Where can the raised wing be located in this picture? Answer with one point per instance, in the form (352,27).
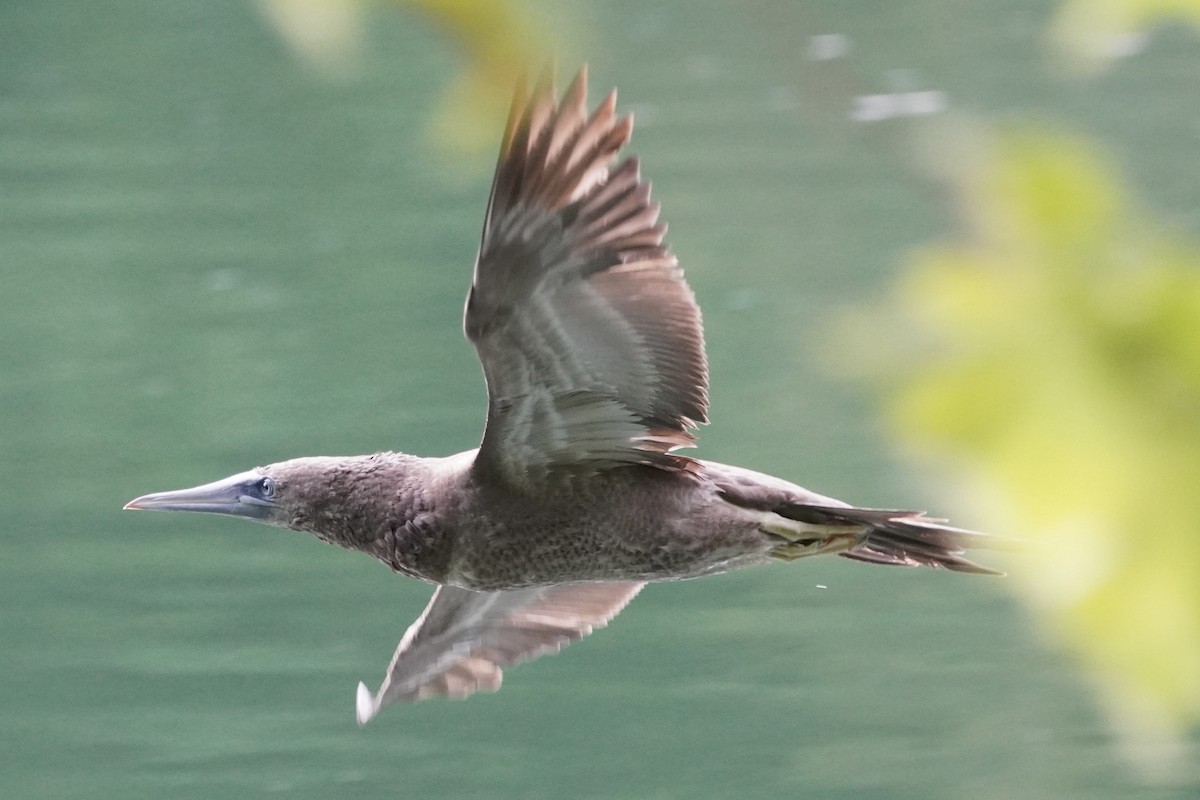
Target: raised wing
(463,640)
(589,336)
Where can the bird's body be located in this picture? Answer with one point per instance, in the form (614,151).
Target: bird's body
(592,348)
(435,519)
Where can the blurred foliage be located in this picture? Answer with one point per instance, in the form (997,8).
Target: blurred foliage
(327,33)
(501,41)
(1088,35)
(1059,364)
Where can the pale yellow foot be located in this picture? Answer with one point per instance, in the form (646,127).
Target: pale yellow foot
(801,540)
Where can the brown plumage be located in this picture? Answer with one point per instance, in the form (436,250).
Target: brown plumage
(593,352)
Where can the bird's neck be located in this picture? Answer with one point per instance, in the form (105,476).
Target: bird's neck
(385,505)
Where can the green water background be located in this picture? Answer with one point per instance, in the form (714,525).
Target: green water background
(213,256)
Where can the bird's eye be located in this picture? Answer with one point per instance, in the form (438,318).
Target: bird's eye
(266,487)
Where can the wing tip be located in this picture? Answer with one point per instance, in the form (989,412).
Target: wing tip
(365,704)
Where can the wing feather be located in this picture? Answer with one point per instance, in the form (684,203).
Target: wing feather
(589,336)
(463,640)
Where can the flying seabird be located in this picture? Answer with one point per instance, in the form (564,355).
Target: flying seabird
(592,348)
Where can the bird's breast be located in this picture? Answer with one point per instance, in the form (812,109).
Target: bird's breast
(419,547)
(634,525)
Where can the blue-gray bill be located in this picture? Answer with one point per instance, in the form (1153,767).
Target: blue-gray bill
(593,351)
(246,494)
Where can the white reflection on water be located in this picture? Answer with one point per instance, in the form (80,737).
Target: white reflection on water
(828,46)
(878,107)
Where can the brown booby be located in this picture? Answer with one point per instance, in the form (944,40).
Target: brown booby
(593,352)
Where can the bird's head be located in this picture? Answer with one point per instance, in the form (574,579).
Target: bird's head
(343,500)
(283,494)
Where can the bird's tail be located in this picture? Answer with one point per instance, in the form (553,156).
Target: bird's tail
(883,536)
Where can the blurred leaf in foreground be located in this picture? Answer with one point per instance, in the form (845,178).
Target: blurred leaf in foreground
(1060,366)
(1088,35)
(501,40)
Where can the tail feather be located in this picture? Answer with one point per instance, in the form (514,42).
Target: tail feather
(904,538)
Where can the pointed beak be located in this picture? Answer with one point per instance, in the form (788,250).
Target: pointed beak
(239,495)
